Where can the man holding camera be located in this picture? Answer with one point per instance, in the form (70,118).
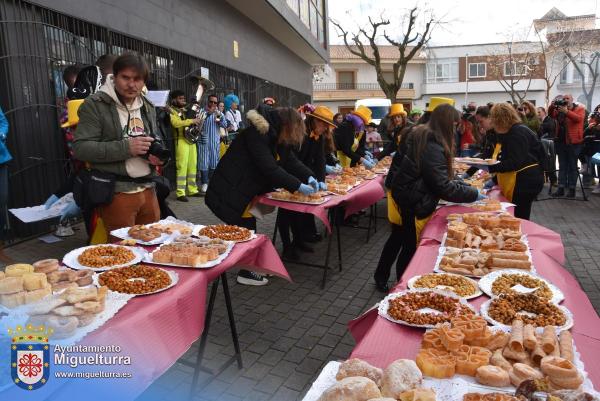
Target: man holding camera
(568,141)
(210,141)
(116,137)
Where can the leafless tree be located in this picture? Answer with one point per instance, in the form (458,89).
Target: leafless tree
(552,61)
(513,66)
(363,44)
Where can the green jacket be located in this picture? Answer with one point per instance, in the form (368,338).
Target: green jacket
(98,139)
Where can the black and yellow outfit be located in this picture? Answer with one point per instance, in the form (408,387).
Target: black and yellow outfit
(519,173)
(350,145)
(418,189)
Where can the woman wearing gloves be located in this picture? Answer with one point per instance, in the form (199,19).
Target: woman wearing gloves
(398,122)
(350,139)
(318,122)
(425,176)
(520,153)
(253,166)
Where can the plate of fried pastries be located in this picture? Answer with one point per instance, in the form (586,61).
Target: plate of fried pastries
(477,263)
(103,257)
(423,307)
(460,285)
(512,281)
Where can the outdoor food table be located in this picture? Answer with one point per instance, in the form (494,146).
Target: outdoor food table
(367,194)
(156,330)
(380,342)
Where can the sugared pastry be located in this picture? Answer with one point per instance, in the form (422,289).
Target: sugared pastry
(437,363)
(469,358)
(521,372)
(358,367)
(10,285)
(45,266)
(497,359)
(13,300)
(17,270)
(34,281)
(400,376)
(351,389)
(492,376)
(561,372)
(36,295)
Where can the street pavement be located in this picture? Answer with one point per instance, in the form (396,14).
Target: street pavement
(289,331)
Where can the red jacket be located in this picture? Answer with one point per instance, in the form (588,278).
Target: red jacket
(575,122)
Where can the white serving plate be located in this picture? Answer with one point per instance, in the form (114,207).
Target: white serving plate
(70,259)
(487,281)
(172,275)
(412,286)
(485,313)
(230,244)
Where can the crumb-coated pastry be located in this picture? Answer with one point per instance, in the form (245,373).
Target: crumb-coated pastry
(63,285)
(495,376)
(10,285)
(358,367)
(351,389)
(36,295)
(18,270)
(400,376)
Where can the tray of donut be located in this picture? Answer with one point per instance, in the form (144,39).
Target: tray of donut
(468,360)
(65,300)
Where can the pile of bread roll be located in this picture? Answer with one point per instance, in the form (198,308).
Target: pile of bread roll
(357,380)
(20,285)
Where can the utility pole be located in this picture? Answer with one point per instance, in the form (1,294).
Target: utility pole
(466,79)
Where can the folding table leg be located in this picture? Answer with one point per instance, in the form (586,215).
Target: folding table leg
(275,229)
(234,334)
(326,266)
(339,246)
(370,222)
(198,367)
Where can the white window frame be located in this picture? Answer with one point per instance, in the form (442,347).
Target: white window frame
(516,64)
(445,63)
(478,64)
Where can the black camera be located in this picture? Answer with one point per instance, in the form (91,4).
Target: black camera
(559,101)
(158,149)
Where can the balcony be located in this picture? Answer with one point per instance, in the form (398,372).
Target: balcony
(356,90)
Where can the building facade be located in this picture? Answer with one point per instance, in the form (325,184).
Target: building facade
(254,49)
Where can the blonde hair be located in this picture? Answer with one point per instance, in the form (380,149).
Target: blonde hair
(531,110)
(503,116)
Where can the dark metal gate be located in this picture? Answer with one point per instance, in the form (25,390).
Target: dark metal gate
(36,44)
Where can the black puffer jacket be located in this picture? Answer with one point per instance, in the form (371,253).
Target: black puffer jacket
(249,167)
(312,155)
(344,139)
(420,190)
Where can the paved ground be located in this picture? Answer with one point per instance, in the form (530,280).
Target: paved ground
(288,331)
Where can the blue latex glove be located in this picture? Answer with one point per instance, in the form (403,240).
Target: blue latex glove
(338,168)
(306,189)
(369,154)
(368,164)
(70,211)
(322,186)
(330,169)
(50,201)
(481,196)
(489,184)
(312,181)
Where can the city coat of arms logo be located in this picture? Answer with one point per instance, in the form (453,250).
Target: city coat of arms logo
(30,356)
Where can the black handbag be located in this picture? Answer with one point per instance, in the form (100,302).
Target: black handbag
(93,188)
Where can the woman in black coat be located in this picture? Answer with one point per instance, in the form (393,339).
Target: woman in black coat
(425,176)
(520,154)
(257,161)
(350,138)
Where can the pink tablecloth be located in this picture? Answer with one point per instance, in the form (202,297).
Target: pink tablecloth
(359,198)
(156,330)
(380,341)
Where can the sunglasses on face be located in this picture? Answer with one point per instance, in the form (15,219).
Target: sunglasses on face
(213,102)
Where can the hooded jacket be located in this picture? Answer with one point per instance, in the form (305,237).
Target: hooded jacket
(419,189)
(250,167)
(100,138)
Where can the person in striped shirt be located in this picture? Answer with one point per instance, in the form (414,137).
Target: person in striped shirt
(209,142)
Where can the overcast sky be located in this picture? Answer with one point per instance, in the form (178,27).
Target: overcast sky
(477,21)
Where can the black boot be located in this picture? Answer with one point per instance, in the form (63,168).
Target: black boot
(560,191)
(302,247)
(382,287)
(182,199)
(571,193)
(290,253)
(316,237)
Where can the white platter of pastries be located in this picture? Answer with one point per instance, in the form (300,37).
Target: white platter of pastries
(156,233)
(103,257)
(188,251)
(519,281)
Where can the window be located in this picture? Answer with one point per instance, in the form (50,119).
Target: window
(565,71)
(579,62)
(442,70)
(514,68)
(388,76)
(345,79)
(477,70)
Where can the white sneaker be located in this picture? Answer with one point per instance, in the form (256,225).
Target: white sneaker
(247,277)
(596,190)
(203,188)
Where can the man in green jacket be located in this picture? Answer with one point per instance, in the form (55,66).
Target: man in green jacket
(115,131)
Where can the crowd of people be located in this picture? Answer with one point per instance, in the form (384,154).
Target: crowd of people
(117,141)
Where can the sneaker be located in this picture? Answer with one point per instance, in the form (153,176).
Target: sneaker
(571,193)
(203,188)
(559,192)
(183,199)
(246,277)
(596,190)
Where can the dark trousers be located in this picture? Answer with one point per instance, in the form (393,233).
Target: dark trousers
(523,203)
(409,239)
(289,220)
(567,160)
(389,254)
(250,224)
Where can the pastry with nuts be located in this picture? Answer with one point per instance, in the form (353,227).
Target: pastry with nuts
(138,279)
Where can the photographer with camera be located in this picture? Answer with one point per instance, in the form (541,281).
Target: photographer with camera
(117,139)
(468,136)
(568,141)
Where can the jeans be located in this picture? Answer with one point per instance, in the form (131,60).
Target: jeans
(3,200)
(205,175)
(567,160)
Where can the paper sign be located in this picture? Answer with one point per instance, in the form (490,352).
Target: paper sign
(158,98)
(39,213)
